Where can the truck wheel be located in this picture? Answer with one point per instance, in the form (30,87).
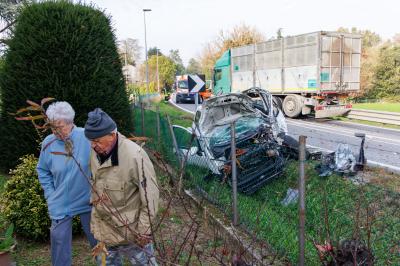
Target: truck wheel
(277,101)
(292,105)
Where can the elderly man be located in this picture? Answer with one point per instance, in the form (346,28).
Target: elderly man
(66,189)
(125,196)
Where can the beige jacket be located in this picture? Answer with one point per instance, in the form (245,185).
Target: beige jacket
(122,190)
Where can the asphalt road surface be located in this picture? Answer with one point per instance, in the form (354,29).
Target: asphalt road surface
(381,145)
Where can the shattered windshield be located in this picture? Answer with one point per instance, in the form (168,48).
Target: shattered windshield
(245,127)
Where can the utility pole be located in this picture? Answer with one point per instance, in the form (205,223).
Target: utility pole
(254,64)
(145,47)
(158,75)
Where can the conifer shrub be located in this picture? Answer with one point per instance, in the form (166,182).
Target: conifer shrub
(66,51)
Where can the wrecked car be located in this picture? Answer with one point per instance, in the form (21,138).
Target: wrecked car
(260,134)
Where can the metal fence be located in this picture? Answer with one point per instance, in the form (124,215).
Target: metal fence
(343,216)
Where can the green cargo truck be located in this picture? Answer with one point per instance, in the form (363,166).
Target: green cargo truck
(308,74)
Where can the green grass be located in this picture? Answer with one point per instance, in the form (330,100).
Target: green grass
(365,122)
(388,107)
(264,214)
(178,117)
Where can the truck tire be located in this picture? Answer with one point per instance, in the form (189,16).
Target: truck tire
(277,101)
(292,105)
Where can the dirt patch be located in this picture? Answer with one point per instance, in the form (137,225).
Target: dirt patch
(38,254)
(381,178)
(185,237)
(182,237)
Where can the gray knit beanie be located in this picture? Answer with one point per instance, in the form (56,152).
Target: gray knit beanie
(99,124)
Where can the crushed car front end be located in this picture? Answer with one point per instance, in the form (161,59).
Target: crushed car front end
(258,145)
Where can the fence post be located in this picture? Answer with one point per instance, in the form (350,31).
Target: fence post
(158,124)
(302,207)
(142,113)
(174,142)
(234,176)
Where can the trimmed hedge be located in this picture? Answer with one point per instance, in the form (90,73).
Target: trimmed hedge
(66,51)
(24,205)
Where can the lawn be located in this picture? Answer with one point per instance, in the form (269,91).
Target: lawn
(332,205)
(365,122)
(388,107)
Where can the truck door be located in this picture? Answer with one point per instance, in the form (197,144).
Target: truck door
(222,80)
(341,56)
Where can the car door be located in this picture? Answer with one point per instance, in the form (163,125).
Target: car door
(189,147)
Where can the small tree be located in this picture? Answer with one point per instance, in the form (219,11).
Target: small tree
(153,51)
(240,35)
(193,67)
(66,51)
(166,69)
(176,58)
(129,51)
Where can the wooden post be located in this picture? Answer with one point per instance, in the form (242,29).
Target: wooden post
(302,205)
(142,113)
(158,124)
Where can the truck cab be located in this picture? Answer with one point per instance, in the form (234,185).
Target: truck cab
(222,74)
(182,93)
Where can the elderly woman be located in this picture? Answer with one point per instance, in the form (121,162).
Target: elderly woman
(66,189)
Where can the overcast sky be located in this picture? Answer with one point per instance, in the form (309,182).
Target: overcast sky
(188,24)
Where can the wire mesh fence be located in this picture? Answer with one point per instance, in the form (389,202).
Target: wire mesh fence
(345,217)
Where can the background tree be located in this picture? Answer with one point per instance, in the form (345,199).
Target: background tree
(176,58)
(129,50)
(369,57)
(66,51)
(9,10)
(386,83)
(369,38)
(396,38)
(193,67)
(153,51)
(238,36)
(166,68)
(208,57)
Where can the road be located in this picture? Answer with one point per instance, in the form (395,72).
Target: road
(381,145)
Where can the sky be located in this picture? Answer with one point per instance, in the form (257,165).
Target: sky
(188,25)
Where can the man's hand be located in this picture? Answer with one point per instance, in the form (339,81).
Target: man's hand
(144,239)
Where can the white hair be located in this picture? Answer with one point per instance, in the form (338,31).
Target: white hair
(61,111)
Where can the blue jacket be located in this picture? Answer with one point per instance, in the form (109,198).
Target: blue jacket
(66,189)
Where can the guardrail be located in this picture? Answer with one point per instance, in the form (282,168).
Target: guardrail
(375,116)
